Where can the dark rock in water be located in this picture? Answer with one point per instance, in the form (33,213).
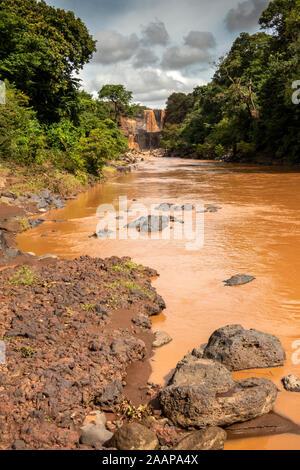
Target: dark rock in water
(111,395)
(150,224)
(266,425)
(3,242)
(212,438)
(200,406)
(44,235)
(239,280)
(240,349)
(103,233)
(34,223)
(60,220)
(134,436)
(194,371)
(188,207)
(161,338)
(291,383)
(58,203)
(167,207)
(212,209)
(174,219)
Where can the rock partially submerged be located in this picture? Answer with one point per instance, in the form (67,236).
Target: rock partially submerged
(239,280)
(200,406)
(150,224)
(134,436)
(240,349)
(291,383)
(161,338)
(212,438)
(167,207)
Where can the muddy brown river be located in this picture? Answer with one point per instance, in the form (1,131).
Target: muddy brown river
(256,231)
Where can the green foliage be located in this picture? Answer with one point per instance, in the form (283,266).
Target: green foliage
(21,135)
(247,108)
(24,276)
(102,144)
(40,49)
(118,96)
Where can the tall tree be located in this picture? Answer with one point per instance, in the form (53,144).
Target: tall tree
(118,96)
(41,48)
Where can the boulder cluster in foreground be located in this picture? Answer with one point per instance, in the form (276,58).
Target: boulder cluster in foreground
(203,397)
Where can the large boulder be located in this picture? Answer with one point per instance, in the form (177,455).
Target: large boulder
(240,349)
(134,436)
(212,438)
(200,406)
(194,371)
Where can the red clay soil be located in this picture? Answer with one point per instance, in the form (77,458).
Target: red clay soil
(69,341)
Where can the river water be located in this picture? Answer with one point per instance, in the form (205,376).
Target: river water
(256,231)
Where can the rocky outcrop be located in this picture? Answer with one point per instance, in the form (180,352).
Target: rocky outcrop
(291,383)
(212,438)
(144,130)
(240,349)
(194,371)
(134,436)
(200,406)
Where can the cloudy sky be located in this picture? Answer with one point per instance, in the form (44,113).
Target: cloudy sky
(156,47)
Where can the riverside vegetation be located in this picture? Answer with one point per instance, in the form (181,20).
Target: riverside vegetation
(247,111)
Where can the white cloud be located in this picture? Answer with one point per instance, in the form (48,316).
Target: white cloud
(113,47)
(245,15)
(155,34)
(150,86)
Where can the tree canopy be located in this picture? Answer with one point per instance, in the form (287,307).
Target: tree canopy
(41,47)
(247,108)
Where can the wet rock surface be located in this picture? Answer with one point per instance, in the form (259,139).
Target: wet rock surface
(291,383)
(66,354)
(161,338)
(212,438)
(194,371)
(239,280)
(200,406)
(240,349)
(150,224)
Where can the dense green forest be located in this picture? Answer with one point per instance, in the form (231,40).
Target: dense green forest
(47,119)
(247,110)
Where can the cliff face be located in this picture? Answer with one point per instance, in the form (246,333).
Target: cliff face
(144,131)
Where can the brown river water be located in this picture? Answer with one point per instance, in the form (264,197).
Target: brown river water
(256,231)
